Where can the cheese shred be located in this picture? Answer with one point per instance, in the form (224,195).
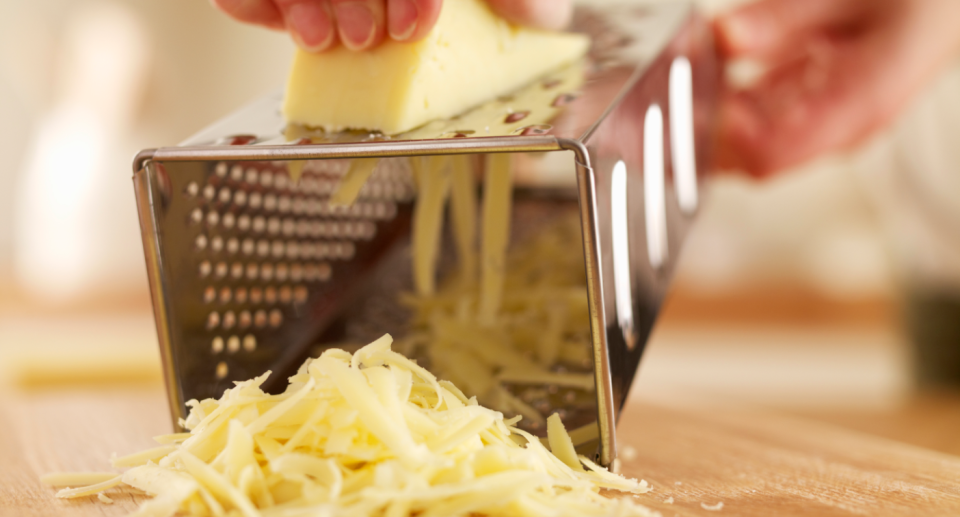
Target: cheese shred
(368,434)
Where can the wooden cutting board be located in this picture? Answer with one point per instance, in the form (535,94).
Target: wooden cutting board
(755,463)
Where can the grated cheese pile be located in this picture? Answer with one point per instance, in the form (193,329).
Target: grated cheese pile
(365,434)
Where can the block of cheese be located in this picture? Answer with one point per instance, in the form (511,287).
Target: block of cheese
(469,57)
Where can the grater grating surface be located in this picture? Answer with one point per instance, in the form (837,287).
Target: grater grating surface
(249,270)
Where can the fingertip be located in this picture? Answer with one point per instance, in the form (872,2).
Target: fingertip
(360,23)
(411,20)
(310,24)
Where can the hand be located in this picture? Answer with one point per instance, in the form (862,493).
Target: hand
(836,71)
(317,25)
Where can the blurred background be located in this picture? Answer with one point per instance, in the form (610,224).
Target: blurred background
(831,291)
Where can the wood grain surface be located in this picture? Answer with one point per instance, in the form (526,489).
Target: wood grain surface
(755,463)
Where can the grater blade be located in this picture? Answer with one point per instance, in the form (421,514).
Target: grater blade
(249,270)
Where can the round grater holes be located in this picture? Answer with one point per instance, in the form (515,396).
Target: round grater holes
(280,181)
(296,272)
(270,202)
(243,222)
(229,320)
(366,211)
(209,294)
(240,198)
(369,230)
(252,176)
(321,250)
(273,225)
(255,200)
(298,206)
(256,296)
(253,271)
(266,271)
(216,346)
(213,320)
(196,216)
(266,179)
(260,319)
(224,195)
(324,271)
(307,250)
(244,319)
(205,269)
(192,189)
(277,249)
(302,228)
(209,192)
(228,220)
(233,245)
(233,344)
(284,204)
(249,343)
(285,294)
(216,244)
(248,246)
(300,294)
(276,318)
(236,173)
(236,271)
(200,243)
(220,270)
(293,249)
(270,295)
(259,224)
(317,228)
(220,170)
(281,272)
(326,187)
(241,296)
(263,248)
(288,226)
(222,370)
(225,295)
(313,207)
(213,218)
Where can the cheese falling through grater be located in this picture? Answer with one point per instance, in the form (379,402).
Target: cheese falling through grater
(253,267)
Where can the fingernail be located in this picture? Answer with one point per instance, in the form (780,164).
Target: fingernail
(402,19)
(356,24)
(310,25)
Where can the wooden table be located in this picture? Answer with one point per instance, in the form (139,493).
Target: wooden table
(755,463)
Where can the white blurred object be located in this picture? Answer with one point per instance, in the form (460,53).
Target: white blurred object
(67,220)
(914,173)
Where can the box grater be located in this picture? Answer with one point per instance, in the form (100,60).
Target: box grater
(249,271)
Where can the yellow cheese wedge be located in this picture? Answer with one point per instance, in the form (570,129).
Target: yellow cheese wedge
(469,57)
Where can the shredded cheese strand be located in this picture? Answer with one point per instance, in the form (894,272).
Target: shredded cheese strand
(377,449)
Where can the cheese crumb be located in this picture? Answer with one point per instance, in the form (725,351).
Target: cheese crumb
(669,500)
(713,508)
(104,499)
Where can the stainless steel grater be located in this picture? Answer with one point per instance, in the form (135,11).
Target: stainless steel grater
(248,270)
